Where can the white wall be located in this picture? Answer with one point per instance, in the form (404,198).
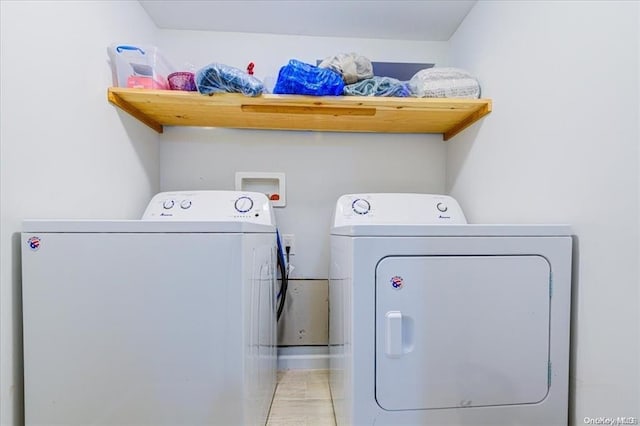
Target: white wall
(319,167)
(65,152)
(269,52)
(561,145)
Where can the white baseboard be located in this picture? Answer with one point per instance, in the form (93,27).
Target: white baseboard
(303,358)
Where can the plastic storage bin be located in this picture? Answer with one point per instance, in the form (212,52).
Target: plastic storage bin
(140,67)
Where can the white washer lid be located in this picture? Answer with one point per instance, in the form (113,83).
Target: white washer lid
(463,230)
(143,226)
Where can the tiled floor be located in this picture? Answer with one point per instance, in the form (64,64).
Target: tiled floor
(302,399)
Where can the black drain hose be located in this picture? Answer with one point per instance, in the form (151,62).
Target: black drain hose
(282,263)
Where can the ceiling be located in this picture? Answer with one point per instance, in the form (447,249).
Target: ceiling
(424,20)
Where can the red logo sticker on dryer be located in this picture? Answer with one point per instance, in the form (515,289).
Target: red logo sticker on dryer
(33,243)
(397,282)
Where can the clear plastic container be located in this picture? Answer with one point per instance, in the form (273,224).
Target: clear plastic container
(140,67)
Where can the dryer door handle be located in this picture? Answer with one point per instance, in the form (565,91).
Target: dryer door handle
(393,334)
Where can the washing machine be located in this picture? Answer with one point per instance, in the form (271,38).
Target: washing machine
(168,320)
(434,321)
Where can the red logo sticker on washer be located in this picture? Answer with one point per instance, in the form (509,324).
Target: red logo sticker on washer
(397,282)
(33,243)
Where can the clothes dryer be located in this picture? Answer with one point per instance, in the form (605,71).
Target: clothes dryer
(437,322)
(163,321)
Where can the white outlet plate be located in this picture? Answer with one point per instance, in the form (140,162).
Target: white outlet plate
(289,240)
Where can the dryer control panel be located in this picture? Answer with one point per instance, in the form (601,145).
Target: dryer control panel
(397,209)
(211,206)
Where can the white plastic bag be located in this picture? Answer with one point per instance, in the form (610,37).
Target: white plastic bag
(351,66)
(444,83)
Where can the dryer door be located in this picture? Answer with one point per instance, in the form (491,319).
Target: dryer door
(461,331)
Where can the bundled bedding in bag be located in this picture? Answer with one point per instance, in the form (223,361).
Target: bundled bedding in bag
(220,78)
(299,78)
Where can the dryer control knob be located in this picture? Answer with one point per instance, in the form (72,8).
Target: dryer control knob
(185,204)
(243,204)
(360,206)
(168,204)
(442,207)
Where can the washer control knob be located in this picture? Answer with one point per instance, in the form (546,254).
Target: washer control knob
(185,204)
(442,207)
(243,204)
(168,204)
(360,206)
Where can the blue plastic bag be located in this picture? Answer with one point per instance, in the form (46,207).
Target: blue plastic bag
(219,78)
(298,78)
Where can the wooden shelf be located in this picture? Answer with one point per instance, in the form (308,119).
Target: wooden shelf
(159,108)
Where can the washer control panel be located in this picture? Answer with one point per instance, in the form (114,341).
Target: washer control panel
(215,206)
(397,209)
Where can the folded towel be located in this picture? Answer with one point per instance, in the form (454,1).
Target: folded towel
(378,86)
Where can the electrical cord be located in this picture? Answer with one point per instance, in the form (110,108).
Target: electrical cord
(285,279)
